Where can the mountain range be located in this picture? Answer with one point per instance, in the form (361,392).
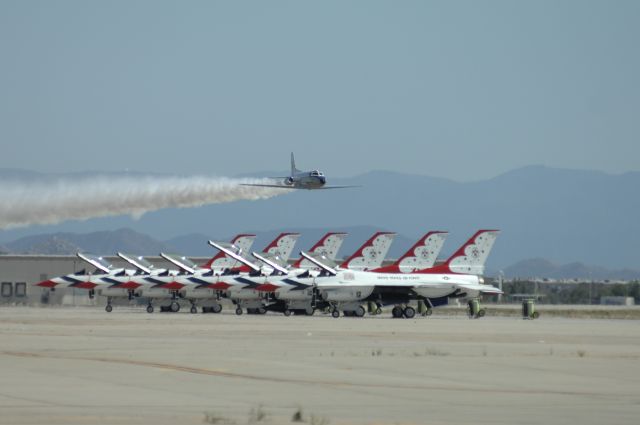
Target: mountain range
(563,216)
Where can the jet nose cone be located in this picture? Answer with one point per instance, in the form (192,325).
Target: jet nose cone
(46,284)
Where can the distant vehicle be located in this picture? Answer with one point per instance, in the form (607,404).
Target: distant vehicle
(298,179)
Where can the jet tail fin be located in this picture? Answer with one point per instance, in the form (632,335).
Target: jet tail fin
(294,170)
(420,256)
(371,254)
(470,257)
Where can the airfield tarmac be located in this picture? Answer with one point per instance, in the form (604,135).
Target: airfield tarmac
(82,365)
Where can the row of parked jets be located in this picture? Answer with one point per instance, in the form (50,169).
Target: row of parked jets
(268,281)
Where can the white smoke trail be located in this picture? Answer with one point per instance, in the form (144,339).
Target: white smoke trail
(50,202)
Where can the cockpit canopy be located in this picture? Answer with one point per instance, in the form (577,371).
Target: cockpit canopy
(316,173)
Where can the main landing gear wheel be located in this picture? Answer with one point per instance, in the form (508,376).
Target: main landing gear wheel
(261,310)
(216,308)
(378,311)
(175,307)
(396,312)
(194,309)
(287,312)
(409,312)
(335,313)
(309,311)
(360,311)
(239,311)
(481,313)
(428,312)
(108,308)
(149,308)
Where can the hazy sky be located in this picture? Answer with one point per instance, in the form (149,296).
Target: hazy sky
(459,89)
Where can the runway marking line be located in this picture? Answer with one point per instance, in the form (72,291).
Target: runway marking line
(218,373)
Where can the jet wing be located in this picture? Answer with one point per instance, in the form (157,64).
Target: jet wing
(279,186)
(270,262)
(282,186)
(97,262)
(139,262)
(483,289)
(235,256)
(181,261)
(333,187)
(319,263)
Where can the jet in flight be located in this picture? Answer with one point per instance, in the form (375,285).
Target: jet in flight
(299,179)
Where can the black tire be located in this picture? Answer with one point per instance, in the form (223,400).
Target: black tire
(309,311)
(108,308)
(262,310)
(335,313)
(360,311)
(429,312)
(409,312)
(378,310)
(194,309)
(535,315)
(175,307)
(149,309)
(481,313)
(396,312)
(287,312)
(216,308)
(239,311)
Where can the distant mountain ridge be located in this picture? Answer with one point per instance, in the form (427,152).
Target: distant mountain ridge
(541,268)
(565,216)
(102,243)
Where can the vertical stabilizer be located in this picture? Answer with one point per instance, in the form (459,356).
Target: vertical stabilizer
(371,254)
(421,255)
(471,256)
(282,246)
(294,170)
(242,243)
(328,247)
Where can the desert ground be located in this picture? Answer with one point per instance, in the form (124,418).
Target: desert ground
(80,365)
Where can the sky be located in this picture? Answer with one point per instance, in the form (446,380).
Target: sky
(458,89)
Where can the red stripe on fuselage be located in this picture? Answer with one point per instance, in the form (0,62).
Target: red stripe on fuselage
(267,287)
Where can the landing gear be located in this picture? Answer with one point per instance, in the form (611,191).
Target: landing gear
(428,312)
(335,313)
(309,311)
(397,312)
(108,308)
(287,312)
(149,309)
(378,311)
(239,311)
(175,307)
(194,309)
(216,308)
(409,312)
(360,311)
(261,310)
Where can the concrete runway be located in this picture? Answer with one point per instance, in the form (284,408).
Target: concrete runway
(82,365)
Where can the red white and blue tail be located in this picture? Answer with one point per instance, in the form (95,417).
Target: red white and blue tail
(282,246)
(328,247)
(371,254)
(242,243)
(470,257)
(420,256)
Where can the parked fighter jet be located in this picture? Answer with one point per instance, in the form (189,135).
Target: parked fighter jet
(456,277)
(299,179)
(292,289)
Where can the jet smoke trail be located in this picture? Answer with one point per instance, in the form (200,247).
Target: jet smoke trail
(50,202)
